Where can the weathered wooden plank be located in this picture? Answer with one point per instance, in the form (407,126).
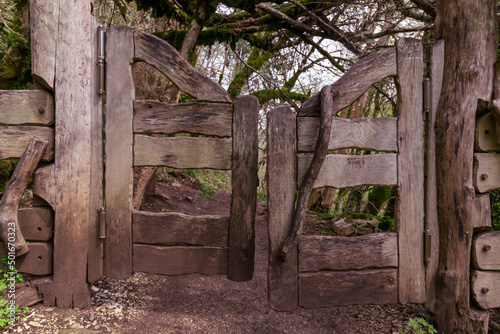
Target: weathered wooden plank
(327,289)
(120,92)
(43,30)
(37,224)
(211,119)
(26,107)
(282,279)
(357,80)
(43,185)
(180,260)
(486,172)
(377,250)
(182,152)
(485,289)
(486,251)
(38,261)
(14,139)
(166,59)
(482,208)
(244,183)
(486,134)
(377,134)
(171,228)
(341,171)
(410,208)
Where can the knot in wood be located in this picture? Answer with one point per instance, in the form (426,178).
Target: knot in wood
(484,176)
(485,290)
(41,110)
(486,248)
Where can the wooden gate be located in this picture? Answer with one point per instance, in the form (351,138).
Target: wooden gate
(175,243)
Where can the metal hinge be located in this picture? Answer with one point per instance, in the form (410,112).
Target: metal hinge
(102,223)
(101,59)
(427,246)
(427,95)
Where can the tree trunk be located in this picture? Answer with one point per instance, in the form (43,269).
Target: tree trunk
(469,29)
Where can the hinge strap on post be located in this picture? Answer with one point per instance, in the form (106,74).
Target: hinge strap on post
(101,59)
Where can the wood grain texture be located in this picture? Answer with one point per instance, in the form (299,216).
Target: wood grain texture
(482,207)
(180,260)
(320,253)
(485,290)
(120,94)
(486,251)
(410,195)
(282,279)
(329,289)
(244,183)
(171,228)
(38,261)
(182,152)
(166,59)
(43,184)
(26,107)
(342,171)
(486,172)
(357,80)
(14,139)
(376,134)
(486,134)
(211,119)
(37,224)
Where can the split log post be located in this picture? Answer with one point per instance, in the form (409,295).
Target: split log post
(12,195)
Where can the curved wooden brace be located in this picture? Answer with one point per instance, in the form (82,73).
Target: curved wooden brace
(166,59)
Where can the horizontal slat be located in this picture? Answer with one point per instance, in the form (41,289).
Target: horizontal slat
(341,171)
(327,289)
(183,152)
(486,135)
(211,119)
(179,260)
(377,134)
(178,228)
(38,261)
(486,172)
(486,251)
(28,107)
(378,250)
(36,224)
(14,139)
(485,289)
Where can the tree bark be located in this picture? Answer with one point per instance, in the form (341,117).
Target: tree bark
(469,29)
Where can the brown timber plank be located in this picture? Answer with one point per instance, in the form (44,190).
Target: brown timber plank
(486,172)
(182,152)
(377,134)
(282,277)
(486,251)
(485,289)
(341,171)
(37,224)
(166,59)
(180,260)
(14,139)
(486,134)
(119,156)
(211,119)
(26,107)
(244,182)
(328,289)
(377,250)
(178,228)
(38,261)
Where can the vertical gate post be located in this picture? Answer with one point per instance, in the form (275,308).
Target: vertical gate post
(282,277)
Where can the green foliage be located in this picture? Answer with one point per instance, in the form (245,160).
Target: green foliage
(262,196)
(495,209)
(9,309)
(376,198)
(419,326)
(210,180)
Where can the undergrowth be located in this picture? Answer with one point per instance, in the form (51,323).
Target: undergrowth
(211,180)
(9,309)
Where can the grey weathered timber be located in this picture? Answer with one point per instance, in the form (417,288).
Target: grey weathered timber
(14,139)
(146,178)
(182,152)
(38,261)
(410,207)
(341,171)
(282,279)
(37,224)
(171,228)
(211,119)
(43,30)
(244,182)
(436,55)
(180,260)
(486,251)
(486,134)
(377,250)
(486,172)
(328,289)
(357,80)
(482,208)
(485,290)
(166,59)
(26,107)
(376,134)
(43,181)
(120,92)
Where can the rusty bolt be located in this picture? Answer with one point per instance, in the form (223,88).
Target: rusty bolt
(485,290)
(484,176)
(486,248)
(41,110)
